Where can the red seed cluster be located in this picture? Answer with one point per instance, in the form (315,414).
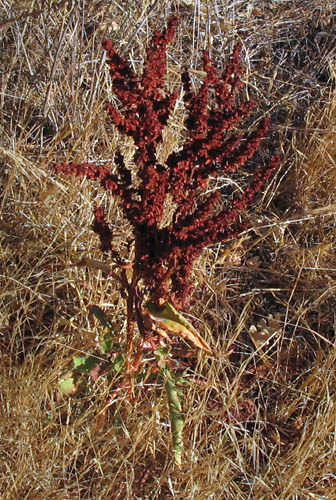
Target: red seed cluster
(101,227)
(164,254)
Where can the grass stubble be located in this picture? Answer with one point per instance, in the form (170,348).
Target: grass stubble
(260,419)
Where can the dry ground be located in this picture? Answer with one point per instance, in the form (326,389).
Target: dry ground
(260,423)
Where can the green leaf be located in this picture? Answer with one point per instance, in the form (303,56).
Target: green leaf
(67,385)
(176,323)
(101,316)
(84,363)
(176,419)
(118,362)
(107,343)
(78,361)
(174,405)
(161,356)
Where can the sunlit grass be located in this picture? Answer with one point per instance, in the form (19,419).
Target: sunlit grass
(259,417)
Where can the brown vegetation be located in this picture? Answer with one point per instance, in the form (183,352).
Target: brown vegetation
(260,416)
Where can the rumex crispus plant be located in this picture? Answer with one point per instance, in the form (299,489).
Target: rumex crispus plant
(156,281)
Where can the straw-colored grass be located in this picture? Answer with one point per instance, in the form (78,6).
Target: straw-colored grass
(260,419)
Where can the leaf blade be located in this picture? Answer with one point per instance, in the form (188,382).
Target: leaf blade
(67,385)
(174,405)
(175,322)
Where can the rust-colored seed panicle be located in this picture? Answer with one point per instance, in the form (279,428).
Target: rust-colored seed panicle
(165,252)
(101,227)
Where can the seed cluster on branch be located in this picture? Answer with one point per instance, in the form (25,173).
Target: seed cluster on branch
(164,254)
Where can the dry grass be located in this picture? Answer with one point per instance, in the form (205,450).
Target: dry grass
(261,422)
